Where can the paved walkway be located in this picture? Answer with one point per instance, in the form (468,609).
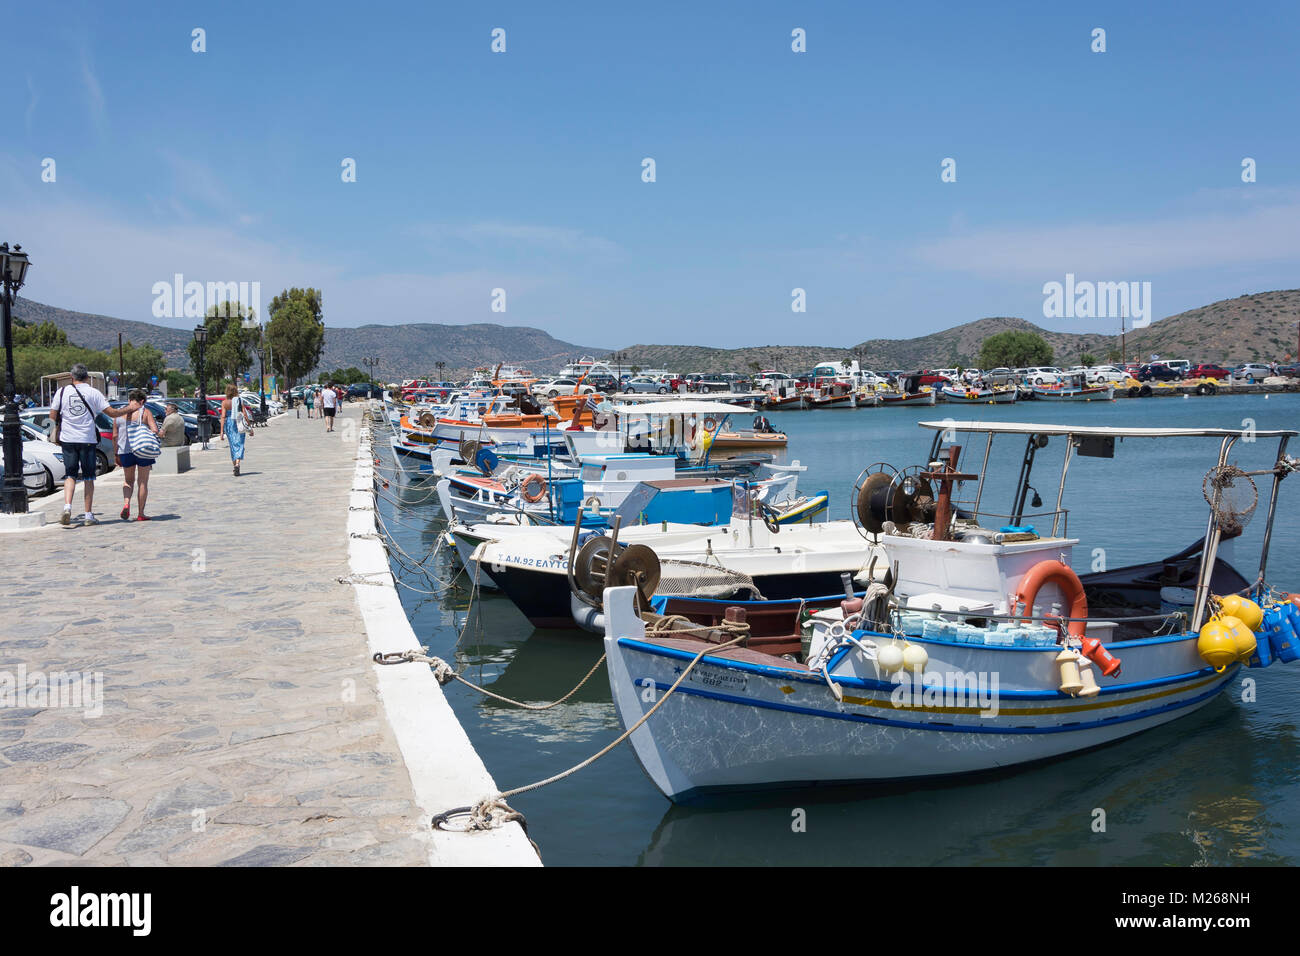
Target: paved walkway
(240,721)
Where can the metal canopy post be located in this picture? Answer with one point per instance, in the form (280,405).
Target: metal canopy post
(1060,491)
(1279,473)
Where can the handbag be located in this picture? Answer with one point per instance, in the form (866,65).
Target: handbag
(142,442)
(241,426)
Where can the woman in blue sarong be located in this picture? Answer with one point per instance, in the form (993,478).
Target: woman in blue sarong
(234,422)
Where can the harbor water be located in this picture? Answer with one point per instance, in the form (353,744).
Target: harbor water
(1217,787)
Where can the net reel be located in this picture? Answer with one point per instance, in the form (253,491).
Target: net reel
(596,568)
(871,498)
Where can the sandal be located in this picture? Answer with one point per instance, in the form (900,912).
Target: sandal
(126,513)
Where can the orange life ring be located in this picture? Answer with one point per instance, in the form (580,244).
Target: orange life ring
(709,424)
(1066,579)
(533,496)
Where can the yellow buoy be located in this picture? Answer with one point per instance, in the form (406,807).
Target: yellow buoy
(1242,636)
(1243,609)
(1217,645)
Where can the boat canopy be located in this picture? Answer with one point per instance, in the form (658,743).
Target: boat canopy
(1099,431)
(684,407)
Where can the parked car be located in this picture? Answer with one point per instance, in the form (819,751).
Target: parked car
(1289,371)
(999,376)
(1207,371)
(105,455)
(1251,372)
(1039,375)
(1102,374)
(37,478)
(1157,372)
(562,386)
(644,383)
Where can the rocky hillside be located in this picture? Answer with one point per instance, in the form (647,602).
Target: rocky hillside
(1258,327)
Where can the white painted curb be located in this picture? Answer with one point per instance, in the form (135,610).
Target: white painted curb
(446,771)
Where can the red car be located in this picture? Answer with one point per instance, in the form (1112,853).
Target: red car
(1207,371)
(933,378)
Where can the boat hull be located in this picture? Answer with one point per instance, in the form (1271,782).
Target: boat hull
(738,726)
(914,398)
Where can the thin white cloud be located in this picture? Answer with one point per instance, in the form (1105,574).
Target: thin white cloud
(29,114)
(1253,233)
(94,92)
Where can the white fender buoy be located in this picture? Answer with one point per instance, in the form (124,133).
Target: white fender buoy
(915,658)
(890,658)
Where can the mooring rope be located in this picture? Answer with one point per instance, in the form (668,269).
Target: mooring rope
(493,811)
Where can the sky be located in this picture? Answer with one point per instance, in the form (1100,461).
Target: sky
(774,170)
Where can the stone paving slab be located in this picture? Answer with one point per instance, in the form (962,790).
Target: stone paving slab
(240,723)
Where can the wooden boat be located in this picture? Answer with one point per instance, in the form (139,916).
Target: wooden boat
(926,396)
(978,396)
(1070,393)
(831,394)
(947,669)
(749,438)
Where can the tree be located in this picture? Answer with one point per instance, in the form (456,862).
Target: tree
(1114,355)
(33,361)
(142,363)
(1087,359)
(46,334)
(232,333)
(1014,349)
(296,332)
(181,383)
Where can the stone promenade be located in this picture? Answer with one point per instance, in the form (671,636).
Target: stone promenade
(240,721)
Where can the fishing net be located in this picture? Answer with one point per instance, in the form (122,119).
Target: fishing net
(1232,496)
(696,579)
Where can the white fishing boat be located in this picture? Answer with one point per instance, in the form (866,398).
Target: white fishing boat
(971,395)
(926,396)
(1073,393)
(950,666)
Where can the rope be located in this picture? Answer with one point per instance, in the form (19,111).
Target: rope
(493,811)
(445,674)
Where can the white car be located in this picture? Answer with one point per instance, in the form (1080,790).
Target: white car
(43,468)
(562,386)
(1106,373)
(1040,375)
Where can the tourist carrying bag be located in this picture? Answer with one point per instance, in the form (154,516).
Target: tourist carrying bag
(241,426)
(142,442)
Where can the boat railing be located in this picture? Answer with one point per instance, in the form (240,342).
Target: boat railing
(1060,519)
(1170,620)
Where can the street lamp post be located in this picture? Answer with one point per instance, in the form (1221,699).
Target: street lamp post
(201,337)
(13,271)
(261,379)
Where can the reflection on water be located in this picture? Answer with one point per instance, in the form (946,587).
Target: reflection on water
(1214,788)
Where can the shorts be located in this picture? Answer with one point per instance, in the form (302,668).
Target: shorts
(79,460)
(329,412)
(129,460)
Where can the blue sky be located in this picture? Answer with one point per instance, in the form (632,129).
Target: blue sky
(775,170)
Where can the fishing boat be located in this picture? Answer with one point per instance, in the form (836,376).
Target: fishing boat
(960,395)
(830,393)
(926,396)
(725,548)
(1073,393)
(951,665)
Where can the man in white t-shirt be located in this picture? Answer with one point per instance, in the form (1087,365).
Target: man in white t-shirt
(329,404)
(73,410)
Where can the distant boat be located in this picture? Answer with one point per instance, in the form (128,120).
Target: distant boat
(924,397)
(1069,393)
(978,396)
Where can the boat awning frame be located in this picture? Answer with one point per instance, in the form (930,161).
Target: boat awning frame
(683,407)
(1100,431)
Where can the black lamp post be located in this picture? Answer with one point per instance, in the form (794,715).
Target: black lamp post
(201,337)
(13,271)
(440,366)
(261,380)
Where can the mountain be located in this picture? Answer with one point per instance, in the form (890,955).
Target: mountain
(1257,327)
(402,350)
(1249,328)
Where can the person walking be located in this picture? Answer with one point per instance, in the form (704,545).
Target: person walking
(234,425)
(135,467)
(329,400)
(309,399)
(73,411)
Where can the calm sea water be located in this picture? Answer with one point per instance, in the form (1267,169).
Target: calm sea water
(1218,787)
